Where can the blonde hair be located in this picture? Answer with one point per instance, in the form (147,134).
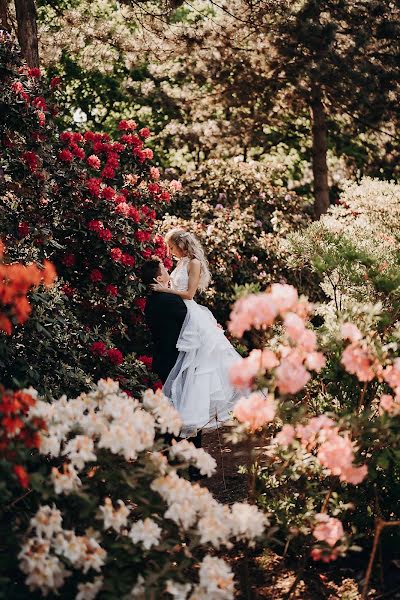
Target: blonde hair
(189,244)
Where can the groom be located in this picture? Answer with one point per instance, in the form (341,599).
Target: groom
(164,314)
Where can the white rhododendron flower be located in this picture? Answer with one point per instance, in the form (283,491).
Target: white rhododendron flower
(89,591)
(44,571)
(167,417)
(179,591)
(216,578)
(147,532)
(116,518)
(188,452)
(47,521)
(65,481)
(248,522)
(80,451)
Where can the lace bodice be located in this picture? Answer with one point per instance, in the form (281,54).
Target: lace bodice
(180,276)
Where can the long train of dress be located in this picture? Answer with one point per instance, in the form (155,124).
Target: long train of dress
(198,384)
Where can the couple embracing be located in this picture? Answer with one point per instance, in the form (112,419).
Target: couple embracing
(191,354)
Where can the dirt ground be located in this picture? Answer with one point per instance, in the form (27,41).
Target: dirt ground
(264,575)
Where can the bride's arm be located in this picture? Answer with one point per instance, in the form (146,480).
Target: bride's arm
(193,284)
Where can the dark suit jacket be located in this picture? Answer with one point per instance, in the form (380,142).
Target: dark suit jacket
(165,314)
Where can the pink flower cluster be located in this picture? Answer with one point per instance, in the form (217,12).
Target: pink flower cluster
(328,530)
(256,410)
(291,362)
(334,451)
(357,358)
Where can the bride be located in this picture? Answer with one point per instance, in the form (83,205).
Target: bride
(198,384)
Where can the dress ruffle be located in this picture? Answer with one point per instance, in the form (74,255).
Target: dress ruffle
(198,384)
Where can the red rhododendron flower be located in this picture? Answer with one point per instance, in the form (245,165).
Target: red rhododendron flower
(127,125)
(23,229)
(99,348)
(68,290)
(12,425)
(39,102)
(55,82)
(145,132)
(116,357)
(168,263)
(157,386)
(108,173)
(153,188)
(147,253)
(112,290)
(65,155)
(95,225)
(108,193)
(140,303)
(17,87)
(41,118)
(96,275)
(141,156)
(93,185)
(31,159)
(77,137)
(116,254)
(166,196)
(66,136)
(128,260)
(21,474)
(105,235)
(77,151)
(146,360)
(89,136)
(94,161)
(69,260)
(34,72)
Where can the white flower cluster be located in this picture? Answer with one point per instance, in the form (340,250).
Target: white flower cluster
(40,555)
(198,456)
(106,417)
(191,506)
(215,583)
(167,418)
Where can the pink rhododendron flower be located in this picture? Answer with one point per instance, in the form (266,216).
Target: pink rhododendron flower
(175,185)
(243,372)
(392,375)
(317,427)
(328,529)
(154,173)
(357,361)
(350,332)
(294,326)
(254,310)
(286,435)
(256,410)
(308,341)
(386,403)
(291,376)
(337,455)
(354,475)
(315,361)
(285,296)
(268,359)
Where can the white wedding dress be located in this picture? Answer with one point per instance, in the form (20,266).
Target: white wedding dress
(198,385)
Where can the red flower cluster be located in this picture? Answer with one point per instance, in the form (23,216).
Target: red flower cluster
(16,281)
(17,431)
(114,355)
(146,360)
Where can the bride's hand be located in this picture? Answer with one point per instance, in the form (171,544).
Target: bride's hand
(158,287)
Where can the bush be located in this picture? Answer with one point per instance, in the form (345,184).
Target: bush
(89,204)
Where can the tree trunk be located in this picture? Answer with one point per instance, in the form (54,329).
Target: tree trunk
(319,151)
(27,31)
(4,23)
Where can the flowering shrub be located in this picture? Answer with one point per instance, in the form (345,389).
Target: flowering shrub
(117,516)
(354,249)
(240,217)
(325,410)
(89,203)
